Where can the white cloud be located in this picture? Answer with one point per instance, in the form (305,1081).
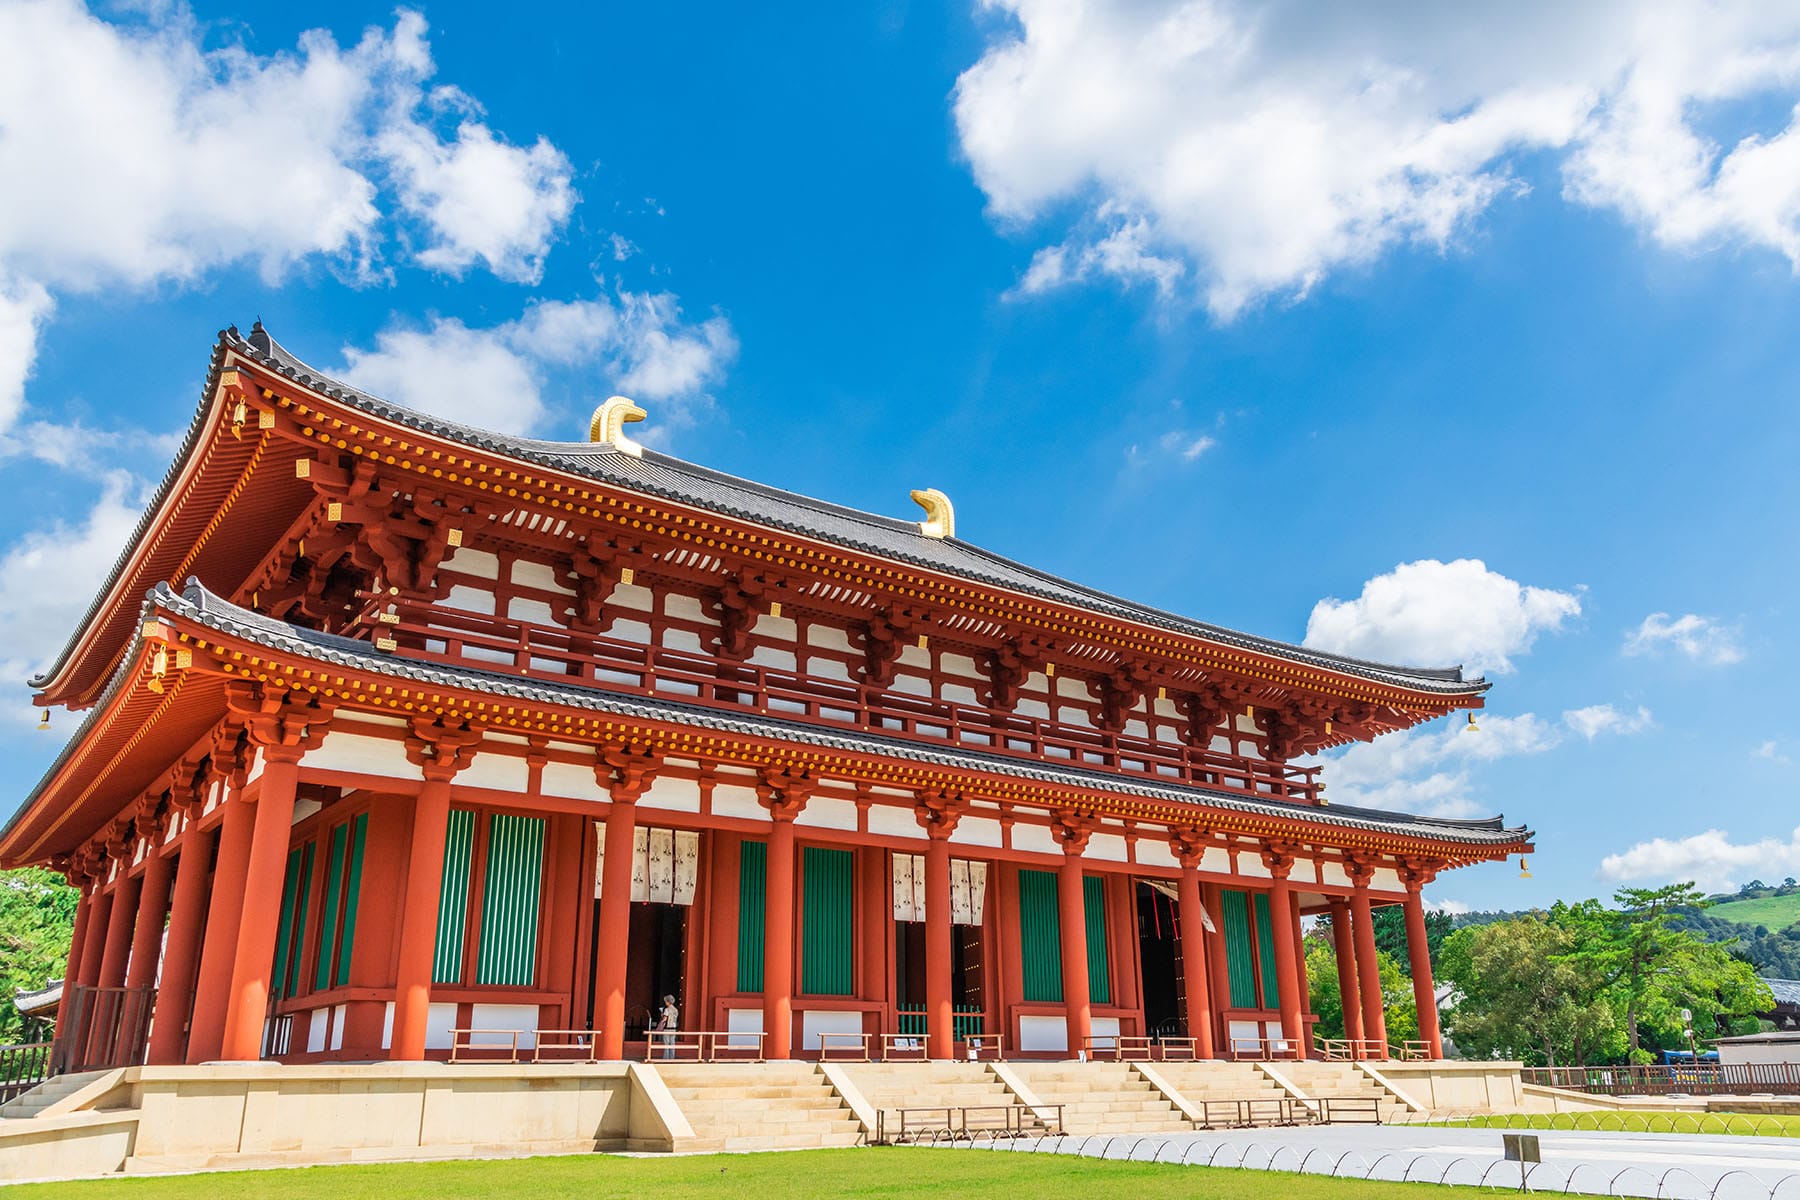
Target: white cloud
(35,619)
(1700,638)
(1455,908)
(492,378)
(151,159)
(1771,750)
(1711,859)
(1185,445)
(1427,771)
(1437,613)
(1243,150)
(1596,719)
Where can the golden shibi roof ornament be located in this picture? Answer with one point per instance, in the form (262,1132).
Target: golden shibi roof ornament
(940,514)
(608,425)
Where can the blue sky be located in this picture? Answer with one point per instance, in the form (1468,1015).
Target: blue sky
(1415,341)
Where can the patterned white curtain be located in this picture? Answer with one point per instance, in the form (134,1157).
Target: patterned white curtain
(664,864)
(968,889)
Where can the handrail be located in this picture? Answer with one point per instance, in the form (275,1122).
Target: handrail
(1352,1049)
(1112,1047)
(992,1044)
(1259,1049)
(904,1047)
(899,1126)
(856,1046)
(1246,1113)
(711,1045)
(502,1045)
(655,670)
(1411,1050)
(1695,1079)
(1359,1110)
(23,1067)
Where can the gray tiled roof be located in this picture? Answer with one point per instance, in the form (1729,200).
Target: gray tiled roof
(669,478)
(1787,991)
(201,606)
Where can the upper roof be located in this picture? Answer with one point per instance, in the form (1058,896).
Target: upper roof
(670,479)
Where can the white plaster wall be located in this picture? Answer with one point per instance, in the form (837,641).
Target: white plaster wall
(478,563)
(827,637)
(911,685)
(737,800)
(1035,839)
(686,607)
(1250,865)
(827,812)
(345,751)
(539,575)
(891,821)
(501,772)
(672,795)
(828,668)
(1334,873)
(1107,847)
(682,639)
(629,631)
(773,656)
(575,781)
(630,595)
(1386,879)
(779,629)
(960,665)
(468,599)
(521,608)
(1153,851)
(978,831)
(914,656)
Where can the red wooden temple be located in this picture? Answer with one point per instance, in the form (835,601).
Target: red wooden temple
(395,727)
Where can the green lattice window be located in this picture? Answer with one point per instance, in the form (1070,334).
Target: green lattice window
(296,891)
(828,922)
(1040,937)
(753,866)
(511,893)
(343,882)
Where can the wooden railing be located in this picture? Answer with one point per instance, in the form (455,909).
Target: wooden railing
(1703,1079)
(1243,1114)
(22,1068)
(1120,1048)
(1410,1051)
(988,1047)
(903,1047)
(1351,1049)
(710,1045)
(1265,1049)
(898,1126)
(1349,1110)
(502,1045)
(556,655)
(843,1047)
(101,1027)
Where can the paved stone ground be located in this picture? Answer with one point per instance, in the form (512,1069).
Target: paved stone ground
(1677,1166)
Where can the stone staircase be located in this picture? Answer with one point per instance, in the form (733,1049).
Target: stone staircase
(1320,1080)
(895,1085)
(29,1104)
(759,1106)
(1201,1081)
(1101,1097)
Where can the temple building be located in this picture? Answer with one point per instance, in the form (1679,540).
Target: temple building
(393,728)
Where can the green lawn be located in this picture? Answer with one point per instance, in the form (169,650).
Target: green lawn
(1635,1121)
(1777,912)
(894,1172)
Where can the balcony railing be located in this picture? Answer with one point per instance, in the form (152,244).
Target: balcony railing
(554,654)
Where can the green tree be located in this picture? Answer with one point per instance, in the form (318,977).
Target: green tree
(37,919)
(1521,994)
(1328,1002)
(1390,934)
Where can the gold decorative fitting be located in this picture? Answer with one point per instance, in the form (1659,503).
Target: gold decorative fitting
(775,609)
(940,514)
(454,537)
(1524,870)
(265,418)
(924,642)
(334,511)
(1471,727)
(44,721)
(1049,670)
(386,643)
(608,425)
(240,412)
(388,618)
(303,468)
(626,575)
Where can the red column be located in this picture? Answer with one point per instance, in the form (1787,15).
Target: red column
(1345,951)
(378,910)
(1287,970)
(147,938)
(784,793)
(247,1002)
(118,930)
(1418,950)
(1071,913)
(84,912)
(206,1028)
(1218,968)
(419,918)
(615,923)
(940,1011)
(1193,952)
(1367,967)
(181,954)
(84,954)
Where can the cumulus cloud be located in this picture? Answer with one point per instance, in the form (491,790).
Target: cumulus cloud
(1455,908)
(492,377)
(1771,750)
(1240,150)
(1597,719)
(152,159)
(1428,771)
(1711,859)
(1700,638)
(35,619)
(1432,613)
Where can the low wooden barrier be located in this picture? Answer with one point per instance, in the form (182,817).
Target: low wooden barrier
(843,1047)
(1119,1048)
(1266,1050)
(22,1068)
(984,1047)
(711,1045)
(903,1047)
(1245,1114)
(1349,1110)
(1703,1079)
(988,1122)
(1351,1049)
(502,1045)
(1410,1051)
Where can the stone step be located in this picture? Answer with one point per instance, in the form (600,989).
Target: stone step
(777,1130)
(753,1092)
(709,1103)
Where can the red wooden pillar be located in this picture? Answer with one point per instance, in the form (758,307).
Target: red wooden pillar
(1071,912)
(1342,945)
(615,923)
(206,1028)
(784,793)
(1418,950)
(1287,970)
(938,813)
(84,911)
(181,954)
(153,905)
(87,953)
(419,918)
(118,929)
(1218,968)
(253,958)
(1367,966)
(378,907)
(1188,850)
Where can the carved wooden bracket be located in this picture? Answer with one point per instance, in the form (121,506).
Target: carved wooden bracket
(1415,873)
(883,636)
(441,748)
(784,790)
(1072,827)
(1205,710)
(1120,692)
(939,811)
(280,720)
(596,569)
(1360,868)
(1190,843)
(626,771)
(1009,665)
(1278,857)
(743,597)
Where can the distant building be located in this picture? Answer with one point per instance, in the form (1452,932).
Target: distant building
(1786,1013)
(1759,1048)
